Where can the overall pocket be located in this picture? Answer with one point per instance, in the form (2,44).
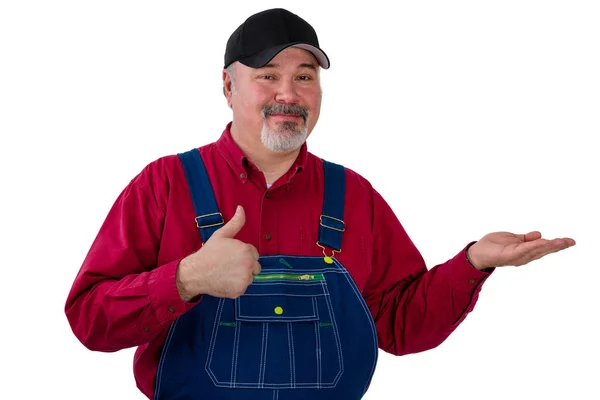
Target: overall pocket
(280,334)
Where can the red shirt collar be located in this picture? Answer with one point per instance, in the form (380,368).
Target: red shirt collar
(240,162)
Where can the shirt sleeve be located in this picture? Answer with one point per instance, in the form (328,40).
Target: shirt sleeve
(121,298)
(415,309)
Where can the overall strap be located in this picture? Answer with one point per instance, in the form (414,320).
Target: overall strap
(331,222)
(208,219)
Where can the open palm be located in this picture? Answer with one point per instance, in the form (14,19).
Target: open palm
(500,249)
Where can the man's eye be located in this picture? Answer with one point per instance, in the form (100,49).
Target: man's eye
(304,78)
(268,77)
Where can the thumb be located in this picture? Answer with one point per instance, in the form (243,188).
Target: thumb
(233,226)
(529,237)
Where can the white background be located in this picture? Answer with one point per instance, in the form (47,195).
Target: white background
(468,116)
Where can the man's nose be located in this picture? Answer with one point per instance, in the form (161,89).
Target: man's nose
(287,93)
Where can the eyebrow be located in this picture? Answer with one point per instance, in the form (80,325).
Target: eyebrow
(303,65)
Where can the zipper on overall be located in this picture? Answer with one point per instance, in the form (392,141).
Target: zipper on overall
(289,277)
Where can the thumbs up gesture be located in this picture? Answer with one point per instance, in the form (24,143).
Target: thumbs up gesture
(224,267)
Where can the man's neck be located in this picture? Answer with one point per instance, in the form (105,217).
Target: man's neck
(272,164)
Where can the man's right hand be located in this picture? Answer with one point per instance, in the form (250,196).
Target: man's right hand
(224,267)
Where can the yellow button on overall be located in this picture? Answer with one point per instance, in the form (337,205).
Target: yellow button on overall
(328,260)
(278,310)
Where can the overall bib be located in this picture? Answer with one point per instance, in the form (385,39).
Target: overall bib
(300,331)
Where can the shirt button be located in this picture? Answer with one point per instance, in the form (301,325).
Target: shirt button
(471,281)
(268,195)
(146,329)
(268,236)
(242,175)
(171,310)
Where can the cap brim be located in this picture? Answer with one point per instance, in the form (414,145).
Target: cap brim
(261,59)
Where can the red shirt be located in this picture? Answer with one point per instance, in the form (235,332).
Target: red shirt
(125,293)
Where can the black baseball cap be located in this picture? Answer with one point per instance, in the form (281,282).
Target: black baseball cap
(263,35)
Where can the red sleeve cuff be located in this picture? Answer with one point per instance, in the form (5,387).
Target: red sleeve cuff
(165,298)
(464,271)
(464,278)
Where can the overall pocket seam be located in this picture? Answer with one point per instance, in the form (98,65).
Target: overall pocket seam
(267,322)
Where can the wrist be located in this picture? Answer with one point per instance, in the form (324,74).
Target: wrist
(476,264)
(185,285)
(472,259)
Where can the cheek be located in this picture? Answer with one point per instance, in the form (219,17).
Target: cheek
(250,104)
(315,105)
(263,97)
(312,96)
(318,104)
(257,99)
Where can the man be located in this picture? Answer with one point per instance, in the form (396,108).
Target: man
(250,268)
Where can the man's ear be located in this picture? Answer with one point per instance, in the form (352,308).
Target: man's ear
(227,83)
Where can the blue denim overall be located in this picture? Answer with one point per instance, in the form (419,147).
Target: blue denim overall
(300,331)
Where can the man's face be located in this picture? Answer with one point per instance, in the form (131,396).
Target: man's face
(281,102)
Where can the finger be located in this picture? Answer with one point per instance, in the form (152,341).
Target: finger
(570,242)
(544,244)
(562,243)
(235,224)
(527,252)
(256,268)
(254,252)
(526,248)
(549,247)
(536,256)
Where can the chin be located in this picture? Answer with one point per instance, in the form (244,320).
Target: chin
(282,143)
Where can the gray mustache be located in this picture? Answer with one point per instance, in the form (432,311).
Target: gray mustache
(293,109)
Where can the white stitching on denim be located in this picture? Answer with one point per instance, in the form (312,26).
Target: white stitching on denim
(283,289)
(277,319)
(263,355)
(292,355)
(337,340)
(296,385)
(163,356)
(318,348)
(213,341)
(318,384)
(266,353)
(234,358)
(253,318)
(246,385)
(241,316)
(371,323)
(313,271)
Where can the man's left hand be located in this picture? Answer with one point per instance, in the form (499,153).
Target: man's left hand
(499,249)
